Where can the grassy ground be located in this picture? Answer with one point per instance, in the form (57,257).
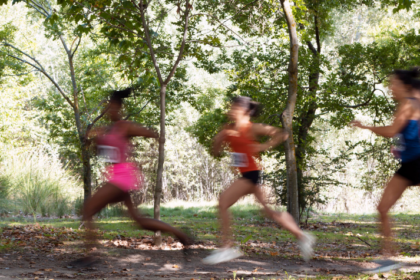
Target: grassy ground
(339,236)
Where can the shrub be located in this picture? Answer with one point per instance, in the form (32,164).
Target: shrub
(37,181)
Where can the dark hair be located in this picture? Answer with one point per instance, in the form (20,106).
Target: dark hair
(415,84)
(117,96)
(407,76)
(253,107)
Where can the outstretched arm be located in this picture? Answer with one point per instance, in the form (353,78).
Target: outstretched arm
(134,130)
(402,115)
(276,136)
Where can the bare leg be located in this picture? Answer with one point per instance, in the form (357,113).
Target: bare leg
(283,219)
(393,191)
(104,196)
(152,224)
(230,196)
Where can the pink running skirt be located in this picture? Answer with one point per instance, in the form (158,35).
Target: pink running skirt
(125,175)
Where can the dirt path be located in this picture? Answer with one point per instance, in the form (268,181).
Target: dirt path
(157,264)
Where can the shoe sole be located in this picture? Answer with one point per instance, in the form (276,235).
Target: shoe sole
(385,268)
(222,261)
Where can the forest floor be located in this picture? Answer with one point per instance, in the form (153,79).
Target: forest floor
(347,245)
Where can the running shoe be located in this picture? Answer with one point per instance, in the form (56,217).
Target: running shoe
(385,266)
(305,245)
(223,255)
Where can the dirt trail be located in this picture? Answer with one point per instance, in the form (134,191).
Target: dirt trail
(118,263)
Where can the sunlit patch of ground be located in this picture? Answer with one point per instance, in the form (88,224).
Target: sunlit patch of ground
(341,237)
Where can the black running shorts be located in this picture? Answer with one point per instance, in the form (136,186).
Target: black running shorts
(410,171)
(253,176)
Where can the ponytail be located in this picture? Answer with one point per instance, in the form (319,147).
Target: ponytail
(119,95)
(253,107)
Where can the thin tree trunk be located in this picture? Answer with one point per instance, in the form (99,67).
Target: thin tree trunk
(306,119)
(161,160)
(287,116)
(74,104)
(87,172)
(308,116)
(87,180)
(163,84)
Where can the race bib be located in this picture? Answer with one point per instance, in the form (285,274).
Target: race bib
(238,160)
(109,154)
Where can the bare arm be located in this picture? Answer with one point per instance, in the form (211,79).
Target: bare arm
(93,134)
(134,130)
(402,115)
(218,142)
(276,136)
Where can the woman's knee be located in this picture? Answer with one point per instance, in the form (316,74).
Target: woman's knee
(382,210)
(223,205)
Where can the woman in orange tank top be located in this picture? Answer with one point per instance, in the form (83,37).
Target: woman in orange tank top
(241,138)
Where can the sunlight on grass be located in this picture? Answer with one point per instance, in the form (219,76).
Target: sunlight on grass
(340,236)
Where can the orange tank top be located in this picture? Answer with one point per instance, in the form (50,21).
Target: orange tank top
(242,156)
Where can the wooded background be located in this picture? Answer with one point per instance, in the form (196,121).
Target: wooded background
(314,65)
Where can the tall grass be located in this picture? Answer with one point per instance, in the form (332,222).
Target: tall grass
(37,182)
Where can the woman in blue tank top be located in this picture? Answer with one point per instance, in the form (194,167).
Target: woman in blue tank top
(405,126)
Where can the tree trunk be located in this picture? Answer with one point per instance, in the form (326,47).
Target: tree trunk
(306,119)
(308,116)
(87,172)
(161,160)
(287,116)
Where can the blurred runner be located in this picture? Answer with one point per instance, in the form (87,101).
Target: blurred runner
(406,128)
(113,145)
(241,137)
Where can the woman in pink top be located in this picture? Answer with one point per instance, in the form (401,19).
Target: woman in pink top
(114,147)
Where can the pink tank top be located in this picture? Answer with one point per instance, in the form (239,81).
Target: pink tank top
(113,146)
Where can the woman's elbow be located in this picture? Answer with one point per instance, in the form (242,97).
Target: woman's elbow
(391,134)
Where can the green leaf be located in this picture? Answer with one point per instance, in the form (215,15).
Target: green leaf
(245,240)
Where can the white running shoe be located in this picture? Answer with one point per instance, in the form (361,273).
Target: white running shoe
(223,255)
(385,266)
(305,245)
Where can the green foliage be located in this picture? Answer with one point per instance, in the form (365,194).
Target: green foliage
(78,206)
(113,53)
(8,65)
(207,126)
(332,88)
(37,182)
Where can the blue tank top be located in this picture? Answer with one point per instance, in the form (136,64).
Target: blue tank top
(410,142)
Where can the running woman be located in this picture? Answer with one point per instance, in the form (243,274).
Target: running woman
(241,136)
(113,145)
(406,127)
